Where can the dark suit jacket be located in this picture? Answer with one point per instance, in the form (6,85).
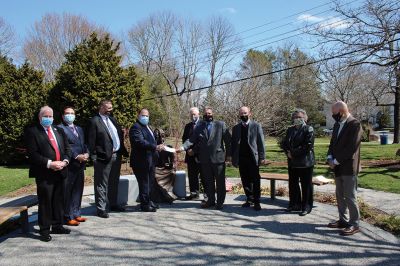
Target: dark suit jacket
(187,133)
(255,140)
(300,143)
(77,144)
(99,139)
(143,147)
(40,151)
(210,149)
(346,148)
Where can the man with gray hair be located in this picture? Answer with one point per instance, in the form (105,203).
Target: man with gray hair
(49,154)
(193,166)
(344,160)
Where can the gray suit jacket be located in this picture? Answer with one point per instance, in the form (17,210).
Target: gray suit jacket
(213,148)
(255,140)
(345,148)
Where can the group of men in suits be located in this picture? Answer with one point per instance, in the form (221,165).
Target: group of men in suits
(209,144)
(57,156)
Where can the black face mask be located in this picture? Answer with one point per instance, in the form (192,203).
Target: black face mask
(244,118)
(337,117)
(208,118)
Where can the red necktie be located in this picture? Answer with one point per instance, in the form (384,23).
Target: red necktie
(54,144)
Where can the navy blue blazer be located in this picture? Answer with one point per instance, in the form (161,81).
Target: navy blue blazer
(77,144)
(143,147)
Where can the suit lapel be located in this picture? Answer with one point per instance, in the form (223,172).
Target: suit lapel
(44,135)
(104,125)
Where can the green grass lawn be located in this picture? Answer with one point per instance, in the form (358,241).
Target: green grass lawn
(13,178)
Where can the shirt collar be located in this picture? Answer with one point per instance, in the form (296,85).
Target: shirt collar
(103,116)
(344,119)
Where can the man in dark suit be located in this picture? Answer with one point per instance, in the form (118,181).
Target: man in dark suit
(106,147)
(212,142)
(75,181)
(49,154)
(344,159)
(144,158)
(248,153)
(193,166)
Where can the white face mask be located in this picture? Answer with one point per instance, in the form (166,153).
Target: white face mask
(195,118)
(299,121)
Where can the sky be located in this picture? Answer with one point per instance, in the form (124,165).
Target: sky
(271,19)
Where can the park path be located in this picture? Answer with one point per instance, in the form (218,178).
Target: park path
(182,233)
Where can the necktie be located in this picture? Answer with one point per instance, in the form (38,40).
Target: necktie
(209,127)
(74,130)
(113,137)
(54,144)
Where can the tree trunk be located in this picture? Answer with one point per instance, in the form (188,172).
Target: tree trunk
(397,107)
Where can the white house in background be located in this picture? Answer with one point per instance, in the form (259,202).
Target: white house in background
(364,113)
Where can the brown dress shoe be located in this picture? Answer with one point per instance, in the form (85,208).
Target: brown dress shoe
(337,224)
(351,230)
(80,219)
(72,223)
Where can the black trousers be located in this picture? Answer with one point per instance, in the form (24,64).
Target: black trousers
(250,176)
(146,178)
(303,199)
(50,192)
(214,174)
(194,175)
(73,191)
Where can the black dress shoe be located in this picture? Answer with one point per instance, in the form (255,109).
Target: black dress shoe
(350,230)
(45,237)
(257,206)
(337,224)
(206,205)
(102,214)
(246,204)
(292,209)
(59,230)
(117,209)
(154,205)
(219,206)
(192,196)
(147,208)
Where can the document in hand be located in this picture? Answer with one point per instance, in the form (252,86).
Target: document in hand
(168,149)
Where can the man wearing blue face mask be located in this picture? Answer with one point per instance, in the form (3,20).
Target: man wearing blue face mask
(144,158)
(49,154)
(75,182)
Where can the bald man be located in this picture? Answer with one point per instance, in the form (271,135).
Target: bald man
(191,159)
(248,153)
(344,160)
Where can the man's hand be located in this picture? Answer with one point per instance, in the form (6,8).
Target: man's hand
(331,164)
(265,162)
(82,158)
(190,152)
(289,155)
(57,165)
(160,147)
(179,149)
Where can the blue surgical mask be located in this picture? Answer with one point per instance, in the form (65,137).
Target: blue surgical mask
(46,121)
(69,118)
(144,120)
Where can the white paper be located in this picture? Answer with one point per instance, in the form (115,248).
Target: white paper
(168,149)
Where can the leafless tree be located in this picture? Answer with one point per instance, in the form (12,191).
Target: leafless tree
(7,38)
(373,30)
(222,43)
(55,34)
